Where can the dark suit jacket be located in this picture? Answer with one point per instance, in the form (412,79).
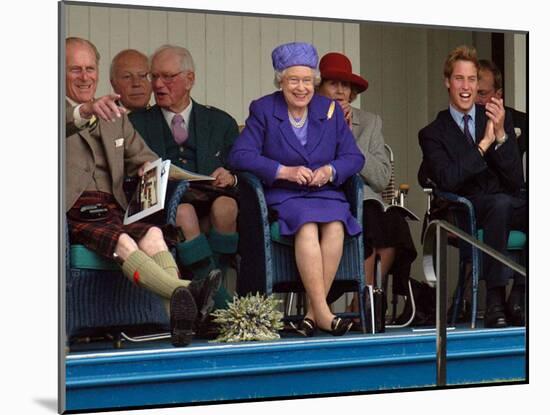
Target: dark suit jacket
(454,163)
(520,122)
(214,131)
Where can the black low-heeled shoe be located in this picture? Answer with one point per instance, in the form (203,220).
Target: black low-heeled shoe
(339,326)
(183,313)
(495,318)
(305,328)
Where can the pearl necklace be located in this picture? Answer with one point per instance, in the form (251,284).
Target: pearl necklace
(297,124)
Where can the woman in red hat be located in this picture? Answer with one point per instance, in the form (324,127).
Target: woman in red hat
(385,234)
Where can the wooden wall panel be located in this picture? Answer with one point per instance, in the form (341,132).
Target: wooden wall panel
(269,39)
(196,35)
(352,51)
(336,41)
(438,49)
(286,31)
(371,67)
(321,37)
(252,58)
(119,30)
(99,36)
(177,28)
(233,47)
(138,31)
(304,31)
(78,21)
(158,28)
(215,56)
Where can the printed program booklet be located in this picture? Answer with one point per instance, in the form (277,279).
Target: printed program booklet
(150,193)
(403,211)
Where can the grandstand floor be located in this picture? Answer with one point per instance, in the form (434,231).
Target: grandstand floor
(100,377)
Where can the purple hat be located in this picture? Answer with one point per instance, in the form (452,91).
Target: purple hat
(294,54)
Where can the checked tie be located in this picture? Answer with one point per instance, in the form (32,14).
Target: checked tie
(178,129)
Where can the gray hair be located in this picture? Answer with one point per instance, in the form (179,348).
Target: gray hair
(120,54)
(186,60)
(81,41)
(278,77)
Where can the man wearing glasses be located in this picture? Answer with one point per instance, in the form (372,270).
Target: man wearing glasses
(197,138)
(130,79)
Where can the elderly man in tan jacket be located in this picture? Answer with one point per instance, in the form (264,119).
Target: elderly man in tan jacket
(102,148)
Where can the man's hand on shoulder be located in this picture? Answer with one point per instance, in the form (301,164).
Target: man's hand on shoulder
(104,107)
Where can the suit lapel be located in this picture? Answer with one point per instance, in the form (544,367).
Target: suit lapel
(481,123)
(158,131)
(199,127)
(315,130)
(113,154)
(281,112)
(457,132)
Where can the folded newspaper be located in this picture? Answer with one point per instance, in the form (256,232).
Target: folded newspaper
(150,194)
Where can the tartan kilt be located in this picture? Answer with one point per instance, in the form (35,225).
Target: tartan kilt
(203,195)
(102,236)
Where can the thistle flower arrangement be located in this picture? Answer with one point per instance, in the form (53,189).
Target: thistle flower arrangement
(253,317)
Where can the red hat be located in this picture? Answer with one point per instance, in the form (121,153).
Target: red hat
(337,66)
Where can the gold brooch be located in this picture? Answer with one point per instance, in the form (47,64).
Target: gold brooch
(330,110)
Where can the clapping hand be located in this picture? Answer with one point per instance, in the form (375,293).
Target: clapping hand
(489,137)
(495,112)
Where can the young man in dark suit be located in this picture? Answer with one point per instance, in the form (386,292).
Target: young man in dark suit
(471,150)
(197,138)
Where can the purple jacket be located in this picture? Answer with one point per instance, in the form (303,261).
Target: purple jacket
(268,140)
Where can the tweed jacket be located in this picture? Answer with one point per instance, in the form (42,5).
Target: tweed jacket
(454,163)
(125,152)
(268,141)
(376,172)
(214,132)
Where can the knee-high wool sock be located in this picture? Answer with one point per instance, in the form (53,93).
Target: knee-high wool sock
(224,247)
(166,261)
(197,256)
(145,272)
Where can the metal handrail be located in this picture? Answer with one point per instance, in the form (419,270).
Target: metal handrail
(434,262)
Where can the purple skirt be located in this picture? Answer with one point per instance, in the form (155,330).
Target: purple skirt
(295,212)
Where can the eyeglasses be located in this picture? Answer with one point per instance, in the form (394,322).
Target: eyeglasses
(295,81)
(140,77)
(166,78)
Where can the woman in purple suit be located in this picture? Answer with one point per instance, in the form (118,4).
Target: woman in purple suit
(301,148)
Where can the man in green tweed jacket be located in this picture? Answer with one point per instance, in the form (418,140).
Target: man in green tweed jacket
(197,138)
